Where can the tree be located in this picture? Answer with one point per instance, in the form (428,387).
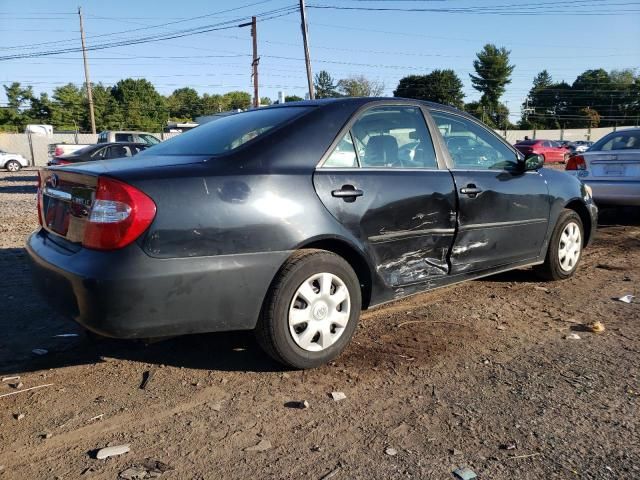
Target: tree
(324,85)
(292,98)
(592,117)
(493,74)
(212,104)
(547,104)
(69,109)
(17,99)
(265,101)
(236,100)
(40,109)
(440,86)
(108,113)
(184,104)
(144,107)
(360,86)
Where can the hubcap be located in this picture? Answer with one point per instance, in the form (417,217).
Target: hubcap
(319,312)
(570,247)
(13,167)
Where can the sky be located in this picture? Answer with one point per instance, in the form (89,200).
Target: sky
(565,37)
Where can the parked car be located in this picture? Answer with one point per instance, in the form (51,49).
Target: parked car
(12,161)
(100,151)
(611,168)
(260,221)
(580,146)
(110,136)
(549,150)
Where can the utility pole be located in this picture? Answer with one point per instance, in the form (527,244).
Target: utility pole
(86,74)
(303,16)
(254,34)
(256,59)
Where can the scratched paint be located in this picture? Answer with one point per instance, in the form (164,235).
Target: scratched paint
(465,248)
(414,266)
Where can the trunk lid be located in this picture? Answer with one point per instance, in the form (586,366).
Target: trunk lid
(613,165)
(64,202)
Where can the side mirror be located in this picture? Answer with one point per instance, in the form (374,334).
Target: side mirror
(533,162)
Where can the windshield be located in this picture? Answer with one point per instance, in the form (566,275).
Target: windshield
(227,133)
(617,141)
(148,139)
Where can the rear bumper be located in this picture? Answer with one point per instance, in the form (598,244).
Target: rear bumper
(609,192)
(127,294)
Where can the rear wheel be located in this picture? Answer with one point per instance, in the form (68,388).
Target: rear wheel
(311,310)
(565,248)
(542,156)
(13,166)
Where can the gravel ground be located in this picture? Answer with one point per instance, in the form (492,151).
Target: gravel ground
(478,375)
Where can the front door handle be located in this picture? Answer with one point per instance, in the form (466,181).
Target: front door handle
(471,190)
(348,193)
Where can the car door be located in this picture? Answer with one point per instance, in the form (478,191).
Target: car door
(381,180)
(503,211)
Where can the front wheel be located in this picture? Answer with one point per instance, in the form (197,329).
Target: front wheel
(13,166)
(565,248)
(311,310)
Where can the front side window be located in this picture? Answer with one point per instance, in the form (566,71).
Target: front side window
(227,133)
(393,136)
(472,146)
(618,141)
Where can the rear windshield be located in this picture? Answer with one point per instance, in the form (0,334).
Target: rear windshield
(617,141)
(227,133)
(81,151)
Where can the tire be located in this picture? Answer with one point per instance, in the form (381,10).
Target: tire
(301,325)
(13,166)
(565,248)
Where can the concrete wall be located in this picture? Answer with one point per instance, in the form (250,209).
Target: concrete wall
(19,143)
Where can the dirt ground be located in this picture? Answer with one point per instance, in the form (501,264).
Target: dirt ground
(478,375)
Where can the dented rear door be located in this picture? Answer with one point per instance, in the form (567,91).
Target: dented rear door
(383,183)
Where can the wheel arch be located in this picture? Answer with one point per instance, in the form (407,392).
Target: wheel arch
(353,257)
(580,208)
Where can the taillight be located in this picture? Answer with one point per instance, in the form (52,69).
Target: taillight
(120,214)
(39,196)
(576,163)
(58,151)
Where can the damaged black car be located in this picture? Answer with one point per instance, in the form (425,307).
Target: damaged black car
(291,219)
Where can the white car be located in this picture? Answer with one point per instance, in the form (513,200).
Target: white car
(12,161)
(611,167)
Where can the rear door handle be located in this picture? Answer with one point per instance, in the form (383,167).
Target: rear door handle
(348,193)
(470,190)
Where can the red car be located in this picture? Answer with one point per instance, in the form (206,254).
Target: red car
(551,151)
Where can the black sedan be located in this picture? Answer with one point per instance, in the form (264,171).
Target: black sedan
(289,220)
(101,151)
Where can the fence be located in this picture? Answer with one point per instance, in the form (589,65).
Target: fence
(35,147)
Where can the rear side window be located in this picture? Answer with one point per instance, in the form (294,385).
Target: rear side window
(227,133)
(393,137)
(124,137)
(617,141)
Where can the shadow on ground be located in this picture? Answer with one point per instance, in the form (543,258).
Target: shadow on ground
(28,323)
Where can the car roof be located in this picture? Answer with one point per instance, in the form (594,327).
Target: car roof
(357,102)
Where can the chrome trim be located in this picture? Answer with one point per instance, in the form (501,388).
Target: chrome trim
(58,194)
(477,226)
(391,236)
